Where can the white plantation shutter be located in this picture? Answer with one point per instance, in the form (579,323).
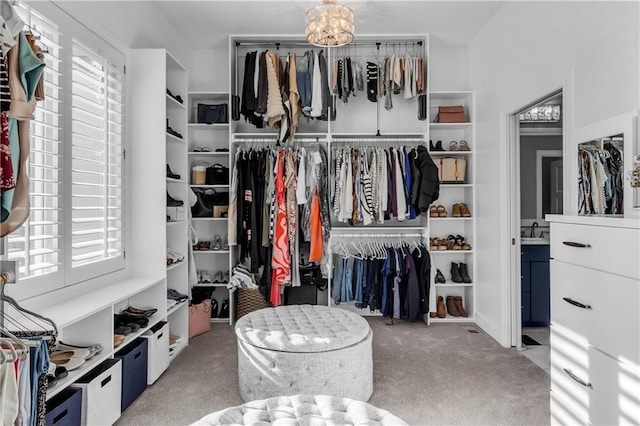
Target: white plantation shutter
(37,244)
(97,161)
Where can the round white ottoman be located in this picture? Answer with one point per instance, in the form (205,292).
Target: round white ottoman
(304,349)
(317,410)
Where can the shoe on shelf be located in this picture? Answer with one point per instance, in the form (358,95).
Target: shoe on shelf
(173,132)
(464,210)
(177,98)
(226,276)
(451,307)
(440,279)
(457,301)
(173,256)
(440,310)
(174,340)
(225,243)
(61,356)
(172,202)
(170,174)
(438,147)
(464,273)
(453,146)
(218,277)
(454,243)
(434,243)
(205,278)
(176,295)
(442,212)
(456,210)
(139,312)
(216,244)
(125,331)
(455,273)
(214,308)
(93,348)
(464,146)
(433,211)
(224,309)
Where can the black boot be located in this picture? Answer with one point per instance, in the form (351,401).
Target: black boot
(224,309)
(464,274)
(439,146)
(440,277)
(214,308)
(431,146)
(170,174)
(172,202)
(455,273)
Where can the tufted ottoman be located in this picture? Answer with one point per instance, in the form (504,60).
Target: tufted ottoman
(304,349)
(302,410)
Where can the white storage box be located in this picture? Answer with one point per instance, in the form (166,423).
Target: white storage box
(176,213)
(158,356)
(101,393)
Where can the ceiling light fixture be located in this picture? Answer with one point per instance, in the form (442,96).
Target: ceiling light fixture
(330,25)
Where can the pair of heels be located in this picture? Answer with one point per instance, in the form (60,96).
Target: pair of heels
(437,210)
(458,243)
(437,147)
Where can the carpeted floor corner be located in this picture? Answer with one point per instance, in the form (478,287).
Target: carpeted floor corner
(434,375)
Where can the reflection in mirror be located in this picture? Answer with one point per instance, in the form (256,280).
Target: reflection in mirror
(601,176)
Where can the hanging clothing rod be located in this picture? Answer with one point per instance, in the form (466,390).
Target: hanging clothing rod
(265,140)
(377,235)
(305,44)
(376,140)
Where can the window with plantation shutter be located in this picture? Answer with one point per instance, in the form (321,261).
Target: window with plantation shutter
(37,245)
(96,158)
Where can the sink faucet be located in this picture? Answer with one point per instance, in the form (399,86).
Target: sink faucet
(534,225)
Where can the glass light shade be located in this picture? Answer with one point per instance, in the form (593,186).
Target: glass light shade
(330,25)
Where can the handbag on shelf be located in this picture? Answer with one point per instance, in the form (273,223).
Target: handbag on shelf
(217,174)
(211,114)
(451,169)
(199,318)
(208,199)
(451,114)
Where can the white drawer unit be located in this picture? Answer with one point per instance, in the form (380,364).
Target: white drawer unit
(595,320)
(615,250)
(597,387)
(584,300)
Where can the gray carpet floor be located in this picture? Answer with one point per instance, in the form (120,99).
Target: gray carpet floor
(436,375)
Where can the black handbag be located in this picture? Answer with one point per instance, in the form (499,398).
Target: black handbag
(217,174)
(201,208)
(217,198)
(210,114)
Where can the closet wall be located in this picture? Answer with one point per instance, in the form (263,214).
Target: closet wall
(566,45)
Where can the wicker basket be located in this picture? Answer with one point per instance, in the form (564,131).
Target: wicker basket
(249,300)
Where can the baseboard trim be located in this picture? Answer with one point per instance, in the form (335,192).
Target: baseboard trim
(491,329)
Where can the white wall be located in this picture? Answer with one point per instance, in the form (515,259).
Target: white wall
(525,51)
(131,24)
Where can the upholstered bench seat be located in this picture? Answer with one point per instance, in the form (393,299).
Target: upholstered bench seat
(319,410)
(304,349)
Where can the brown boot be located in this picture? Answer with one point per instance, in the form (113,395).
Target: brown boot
(451,307)
(457,301)
(441,309)
(456,211)
(464,210)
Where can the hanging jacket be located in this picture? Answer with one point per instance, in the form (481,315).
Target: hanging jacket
(429,189)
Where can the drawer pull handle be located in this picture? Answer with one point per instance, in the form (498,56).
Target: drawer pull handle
(577,379)
(574,244)
(574,303)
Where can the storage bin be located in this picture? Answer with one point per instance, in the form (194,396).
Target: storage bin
(134,371)
(65,409)
(101,393)
(176,213)
(158,348)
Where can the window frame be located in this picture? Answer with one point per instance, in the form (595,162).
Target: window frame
(66,275)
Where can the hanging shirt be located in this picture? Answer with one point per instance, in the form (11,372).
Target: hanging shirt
(316,90)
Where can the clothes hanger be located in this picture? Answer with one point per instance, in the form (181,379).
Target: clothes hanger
(26,313)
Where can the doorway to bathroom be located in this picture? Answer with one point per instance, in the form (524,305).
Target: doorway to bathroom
(537,186)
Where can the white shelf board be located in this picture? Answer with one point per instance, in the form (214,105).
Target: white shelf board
(219,153)
(174,103)
(176,222)
(450,125)
(176,265)
(195,94)
(174,139)
(451,251)
(74,375)
(206,219)
(179,348)
(438,219)
(456,185)
(85,305)
(177,306)
(211,252)
(448,153)
(172,180)
(454,285)
(210,186)
(468,319)
(209,126)
(450,94)
(210,285)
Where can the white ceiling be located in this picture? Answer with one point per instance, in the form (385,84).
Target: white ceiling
(206,24)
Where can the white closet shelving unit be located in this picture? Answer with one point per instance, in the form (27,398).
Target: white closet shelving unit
(152,149)
(451,194)
(214,138)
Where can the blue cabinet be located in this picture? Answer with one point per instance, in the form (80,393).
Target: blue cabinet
(535,291)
